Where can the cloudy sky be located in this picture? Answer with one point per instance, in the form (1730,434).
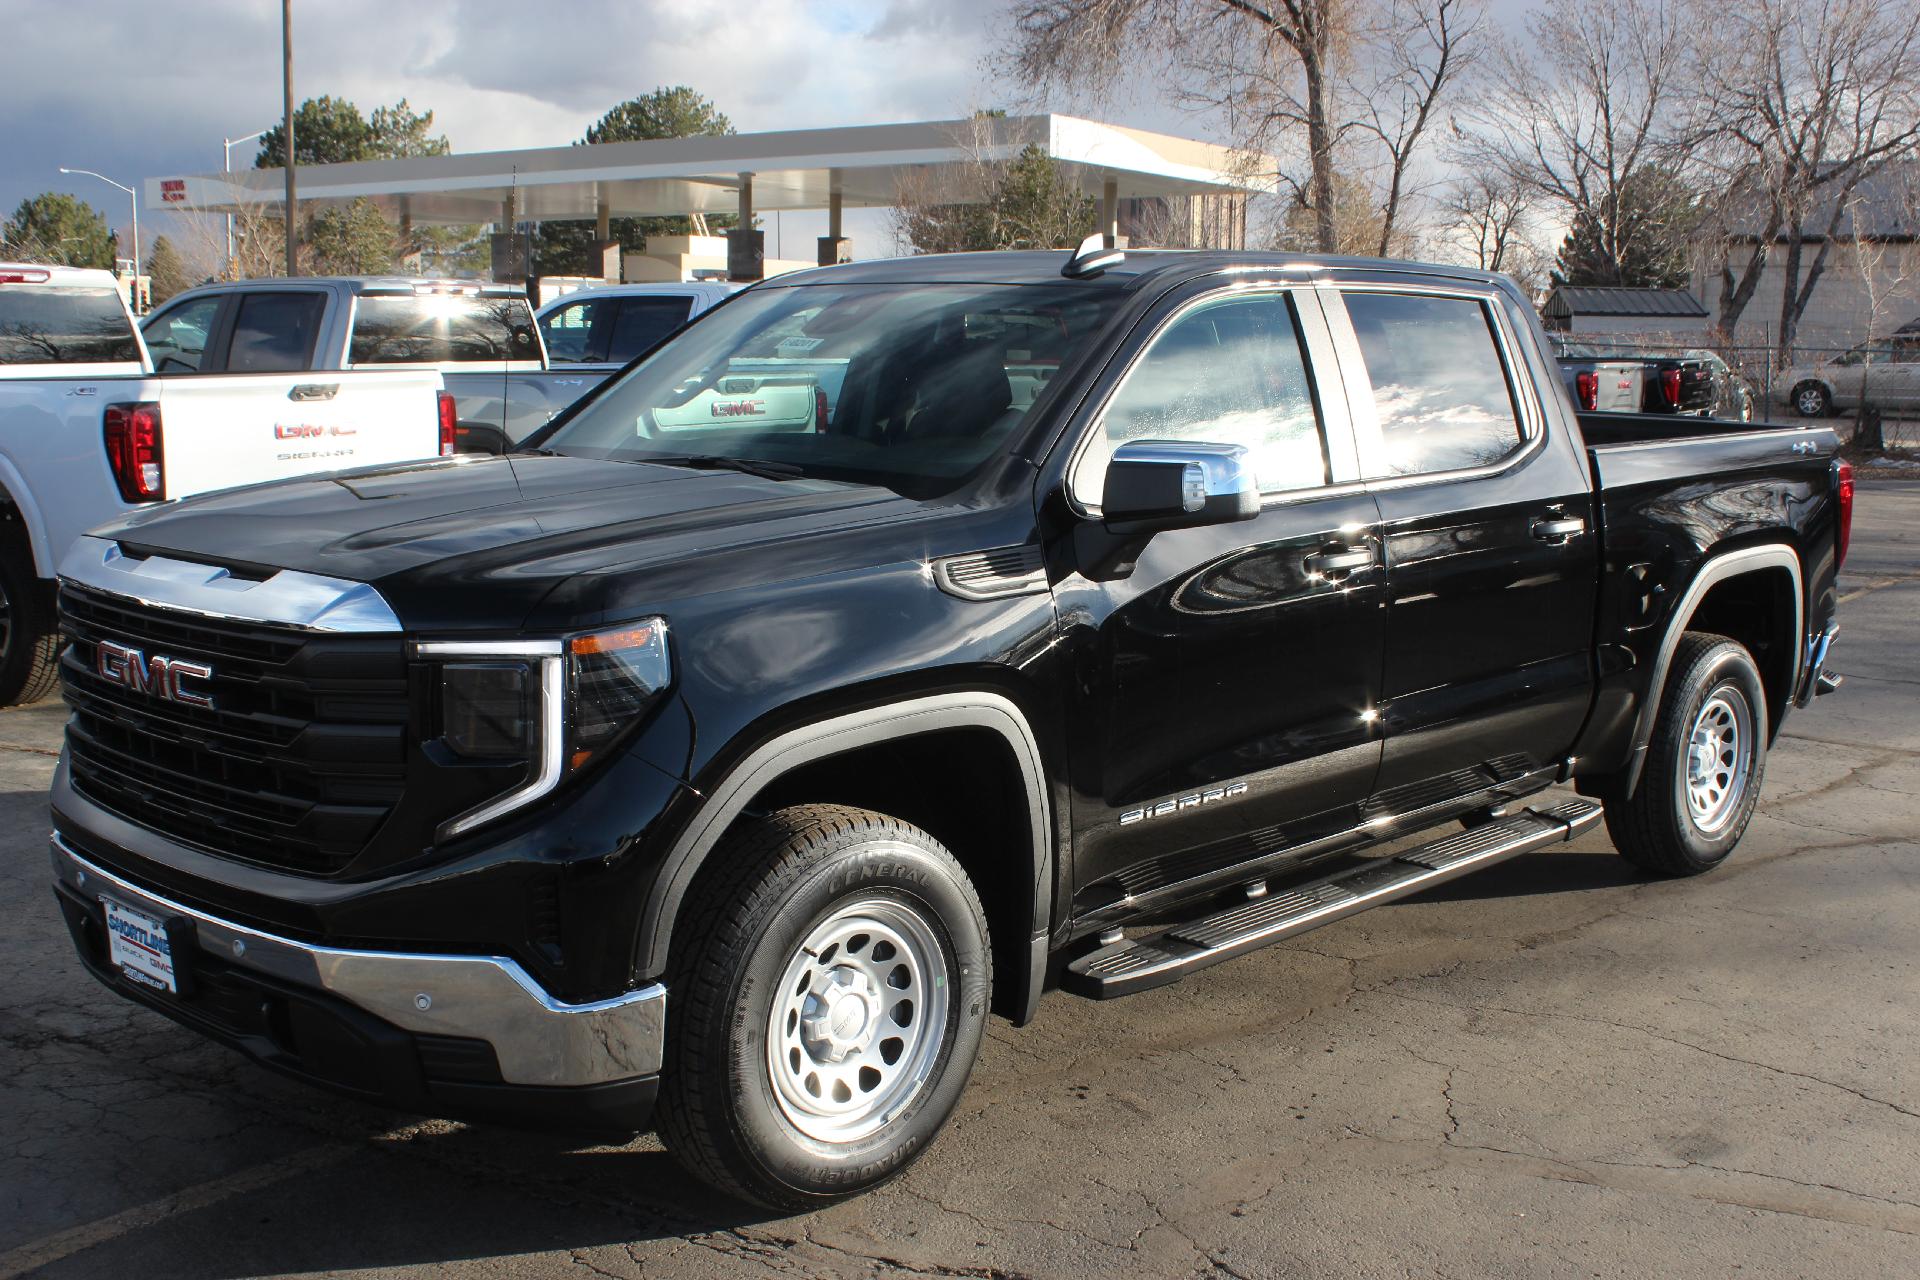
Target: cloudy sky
(140,90)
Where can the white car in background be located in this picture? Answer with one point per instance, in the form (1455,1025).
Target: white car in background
(89,433)
(598,330)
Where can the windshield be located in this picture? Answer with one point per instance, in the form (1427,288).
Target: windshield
(908,386)
(54,324)
(441,328)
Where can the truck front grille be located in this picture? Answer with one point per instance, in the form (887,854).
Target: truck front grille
(295,766)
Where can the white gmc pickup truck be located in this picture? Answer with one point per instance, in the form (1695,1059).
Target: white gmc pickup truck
(88,433)
(479,337)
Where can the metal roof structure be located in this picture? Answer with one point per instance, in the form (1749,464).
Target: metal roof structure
(1570,300)
(861,166)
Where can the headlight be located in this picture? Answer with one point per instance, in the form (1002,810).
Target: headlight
(554,703)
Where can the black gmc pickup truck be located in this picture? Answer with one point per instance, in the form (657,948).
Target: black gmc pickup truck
(898,641)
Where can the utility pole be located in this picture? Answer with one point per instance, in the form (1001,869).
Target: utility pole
(286,85)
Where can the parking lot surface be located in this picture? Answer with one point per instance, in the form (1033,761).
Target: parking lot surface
(1555,1067)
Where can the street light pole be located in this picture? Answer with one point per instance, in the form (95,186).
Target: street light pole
(226,167)
(286,85)
(134,199)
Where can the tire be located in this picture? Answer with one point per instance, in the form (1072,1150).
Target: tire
(773,1095)
(29,640)
(1811,400)
(1705,763)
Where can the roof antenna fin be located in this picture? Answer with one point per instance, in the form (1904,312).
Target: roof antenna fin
(1092,257)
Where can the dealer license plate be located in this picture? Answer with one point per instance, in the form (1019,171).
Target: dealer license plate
(138,944)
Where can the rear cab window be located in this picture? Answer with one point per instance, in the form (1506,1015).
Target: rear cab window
(63,324)
(1442,393)
(274,332)
(441,328)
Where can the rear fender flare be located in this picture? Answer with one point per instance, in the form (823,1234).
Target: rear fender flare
(831,737)
(1718,569)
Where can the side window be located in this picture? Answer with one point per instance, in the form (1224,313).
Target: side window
(1230,371)
(567,331)
(643,322)
(1439,386)
(274,332)
(177,337)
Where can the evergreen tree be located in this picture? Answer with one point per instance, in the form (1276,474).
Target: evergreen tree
(166,271)
(1029,205)
(351,240)
(1643,246)
(56,228)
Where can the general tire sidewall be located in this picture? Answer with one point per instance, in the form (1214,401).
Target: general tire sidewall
(1729,666)
(873,868)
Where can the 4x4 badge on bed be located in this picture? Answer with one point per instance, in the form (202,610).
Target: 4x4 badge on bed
(158,677)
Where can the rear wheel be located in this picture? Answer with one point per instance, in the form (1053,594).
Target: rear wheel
(1704,764)
(1811,400)
(826,1008)
(29,641)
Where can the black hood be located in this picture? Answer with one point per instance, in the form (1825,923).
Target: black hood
(429,533)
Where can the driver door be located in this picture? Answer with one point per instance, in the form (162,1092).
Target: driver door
(1224,712)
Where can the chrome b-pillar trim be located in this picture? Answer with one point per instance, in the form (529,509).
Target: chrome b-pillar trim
(289,598)
(537,1039)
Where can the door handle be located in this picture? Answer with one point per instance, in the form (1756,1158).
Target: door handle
(1332,561)
(1560,529)
(314,391)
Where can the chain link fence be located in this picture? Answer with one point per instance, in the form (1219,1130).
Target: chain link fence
(1772,382)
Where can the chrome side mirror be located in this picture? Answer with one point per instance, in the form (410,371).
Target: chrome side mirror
(1177,484)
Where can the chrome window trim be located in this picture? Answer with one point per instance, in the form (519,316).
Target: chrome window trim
(1365,417)
(290,598)
(538,1040)
(1341,453)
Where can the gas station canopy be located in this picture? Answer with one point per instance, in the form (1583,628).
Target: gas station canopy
(795,169)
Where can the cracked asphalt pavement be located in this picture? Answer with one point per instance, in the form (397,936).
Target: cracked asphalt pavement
(1554,1068)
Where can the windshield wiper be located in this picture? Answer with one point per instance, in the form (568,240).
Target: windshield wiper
(718,462)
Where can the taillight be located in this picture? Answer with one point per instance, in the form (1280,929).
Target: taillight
(22,275)
(448,420)
(1843,491)
(1587,384)
(134,451)
(819,409)
(1670,386)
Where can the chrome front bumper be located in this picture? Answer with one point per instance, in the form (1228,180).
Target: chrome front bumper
(538,1040)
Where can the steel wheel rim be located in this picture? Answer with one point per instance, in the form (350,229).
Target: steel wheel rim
(858,1020)
(1718,759)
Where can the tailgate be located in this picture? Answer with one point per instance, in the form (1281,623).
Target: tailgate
(1618,388)
(225,430)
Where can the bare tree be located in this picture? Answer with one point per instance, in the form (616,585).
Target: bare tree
(1801,102)
(1583,113)
(1421,48)
(1490,222)
(1325,70)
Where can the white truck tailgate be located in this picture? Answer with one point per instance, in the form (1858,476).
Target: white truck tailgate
(237,429)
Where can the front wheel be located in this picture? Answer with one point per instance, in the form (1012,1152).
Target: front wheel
(826,1006)
(1811,400)
(1704,762)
